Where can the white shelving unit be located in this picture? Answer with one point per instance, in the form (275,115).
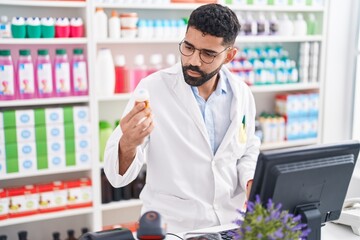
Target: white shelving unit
(110,107)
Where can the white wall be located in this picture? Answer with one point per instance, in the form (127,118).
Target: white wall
(338,96)
(340,77)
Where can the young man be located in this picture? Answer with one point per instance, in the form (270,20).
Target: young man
(197,139)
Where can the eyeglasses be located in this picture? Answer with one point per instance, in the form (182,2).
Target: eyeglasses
(207,56)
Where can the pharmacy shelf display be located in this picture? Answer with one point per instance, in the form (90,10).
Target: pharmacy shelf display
(102,107)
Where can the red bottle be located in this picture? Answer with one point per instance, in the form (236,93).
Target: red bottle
(122,84)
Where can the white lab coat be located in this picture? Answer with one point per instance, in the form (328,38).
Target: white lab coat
(186,183)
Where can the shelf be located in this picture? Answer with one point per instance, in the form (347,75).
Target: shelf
(116,97)
(277,8)
(121,204)
(28,3)
(45,216)
(138,40)
(44,172)
(41,41)
(180,6)
(240,39)
(284,87)
(275,39)
(44,101)
(191,6)
(286,144)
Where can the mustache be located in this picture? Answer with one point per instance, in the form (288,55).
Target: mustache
(193,68)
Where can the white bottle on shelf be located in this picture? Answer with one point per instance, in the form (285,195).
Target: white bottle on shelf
(263,25)
(5,31)
(100,24)
(300,26)
(105,73)
(114,25)
(286,27)
(170,59)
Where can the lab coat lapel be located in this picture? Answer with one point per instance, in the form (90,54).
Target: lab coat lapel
(184,94)
(236,114)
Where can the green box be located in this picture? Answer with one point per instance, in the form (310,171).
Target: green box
(9,118)
(40,133)
(10,135)
(70,152)
(42,163)
(68,114)
(39,115)
(41,149)
(11,151)
(12,165)
(69,131)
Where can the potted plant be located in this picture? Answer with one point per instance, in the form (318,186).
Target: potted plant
(269,222)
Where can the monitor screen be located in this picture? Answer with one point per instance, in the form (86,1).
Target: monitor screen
(311,181)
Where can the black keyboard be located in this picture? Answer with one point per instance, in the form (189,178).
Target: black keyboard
(228,234)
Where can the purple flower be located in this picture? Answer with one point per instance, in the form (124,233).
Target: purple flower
(238,222)
(250,207)
(269,222)
(269,205)
(297,218)
(258,200)
(279,233)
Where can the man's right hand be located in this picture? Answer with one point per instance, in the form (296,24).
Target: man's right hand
(135,126)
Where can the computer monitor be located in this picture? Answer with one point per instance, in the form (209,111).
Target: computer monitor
(311,181)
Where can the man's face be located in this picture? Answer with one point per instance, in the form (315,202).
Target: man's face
(196,71)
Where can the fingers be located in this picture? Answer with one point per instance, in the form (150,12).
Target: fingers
(136,109)
(145,127)
(134,117)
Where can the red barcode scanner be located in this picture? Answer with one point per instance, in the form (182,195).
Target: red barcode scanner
(150,226)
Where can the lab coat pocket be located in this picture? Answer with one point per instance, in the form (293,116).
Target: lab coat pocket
(177,212)
(239,149)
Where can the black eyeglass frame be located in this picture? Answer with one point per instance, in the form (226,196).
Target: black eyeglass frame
(200,51)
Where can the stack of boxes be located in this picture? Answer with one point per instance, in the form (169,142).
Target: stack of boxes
(44,138)
(45,197)
(301,114)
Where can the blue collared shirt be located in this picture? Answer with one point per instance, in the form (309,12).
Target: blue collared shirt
(216,111)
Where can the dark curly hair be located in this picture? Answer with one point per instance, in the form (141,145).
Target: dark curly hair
(216,20)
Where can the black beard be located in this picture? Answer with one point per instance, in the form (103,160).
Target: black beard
(198,81)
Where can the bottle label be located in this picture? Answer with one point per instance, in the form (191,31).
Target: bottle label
(26,78)
(45,85)
(62,78)
(7,87)
(80,81)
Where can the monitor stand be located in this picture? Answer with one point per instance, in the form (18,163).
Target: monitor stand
(311,215)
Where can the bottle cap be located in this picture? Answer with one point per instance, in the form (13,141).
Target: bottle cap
(156,59)
(4,19)
(114,14)
(42,52)
(5,52)
(24,52)
(141,95)
(60,51)
(299,16)
(99,9)
(70,232)
(78,51)
(84,230)
(47,21)
(120,60)
(170,59)
(22,235)
(56,235)
(139,60)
